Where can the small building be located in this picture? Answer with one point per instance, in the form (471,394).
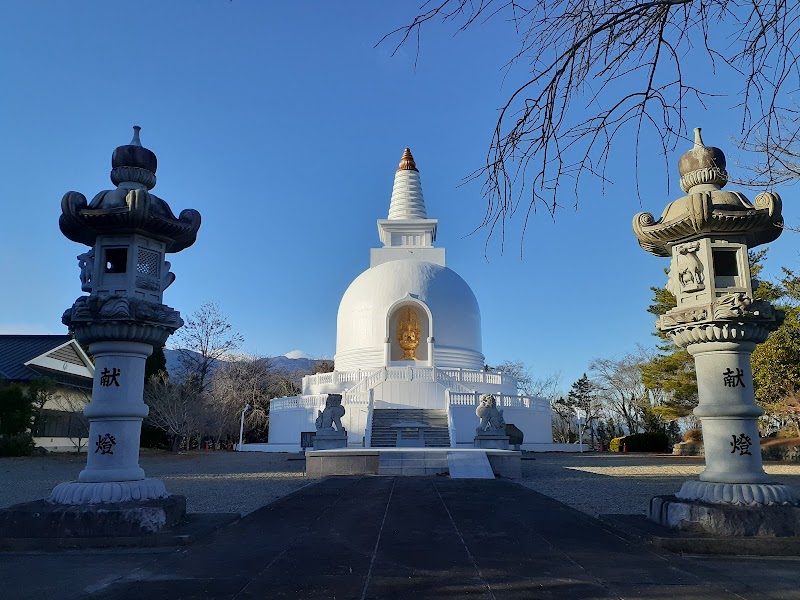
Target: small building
(409,362)
(61,427)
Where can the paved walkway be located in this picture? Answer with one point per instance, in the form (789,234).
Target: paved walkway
(400,538)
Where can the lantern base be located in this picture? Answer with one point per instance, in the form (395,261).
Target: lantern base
(76,492)
(42,519)
(738,494)
(725,519)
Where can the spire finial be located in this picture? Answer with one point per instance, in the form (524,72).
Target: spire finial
(135,141)
(133,163)
(702,165)
(698,139)
(407,162)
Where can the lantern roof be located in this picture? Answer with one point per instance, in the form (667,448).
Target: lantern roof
(130,208)
(707,209)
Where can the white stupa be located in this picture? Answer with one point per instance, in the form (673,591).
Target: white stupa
(408,349)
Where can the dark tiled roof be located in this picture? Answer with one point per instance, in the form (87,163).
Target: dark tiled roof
(65,379)
(16,350)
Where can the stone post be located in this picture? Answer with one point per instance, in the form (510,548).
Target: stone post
(708,234)
(129,231)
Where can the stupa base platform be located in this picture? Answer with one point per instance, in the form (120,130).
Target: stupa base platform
(767,521)
(404,461)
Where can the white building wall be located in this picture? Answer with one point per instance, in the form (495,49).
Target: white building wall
(286,425)
(534,424)
(62,444)
(409,394)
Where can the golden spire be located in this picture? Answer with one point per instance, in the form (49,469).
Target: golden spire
(407,162)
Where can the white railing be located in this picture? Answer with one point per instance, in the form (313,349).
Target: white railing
(366,380)
(503,400)
(297,402)
(361,394)
(408,373)
(333,377)
(468,376)
(464,398)
(357,399)
(317,401)
(447,381)
(454,379)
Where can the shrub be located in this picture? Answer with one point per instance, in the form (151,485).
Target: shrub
(615,445)
(16,411)
(16,445)
(693,435)
(787,431)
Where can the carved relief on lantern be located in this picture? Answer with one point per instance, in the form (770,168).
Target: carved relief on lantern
(690,267)
(409,332)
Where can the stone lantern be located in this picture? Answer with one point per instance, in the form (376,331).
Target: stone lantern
(708,233)
(129,231)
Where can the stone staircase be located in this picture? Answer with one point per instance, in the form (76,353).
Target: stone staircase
(416,461)
(435,432)
(473,464)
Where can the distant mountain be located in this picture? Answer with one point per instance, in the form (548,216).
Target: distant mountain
(300,366)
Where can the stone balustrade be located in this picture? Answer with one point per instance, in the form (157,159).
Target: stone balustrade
(366,380)
(503,400)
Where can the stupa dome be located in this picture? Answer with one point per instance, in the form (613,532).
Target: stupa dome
(367,306)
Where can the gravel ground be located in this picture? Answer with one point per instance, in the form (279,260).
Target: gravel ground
(621,483)
(243,482)
(239,482)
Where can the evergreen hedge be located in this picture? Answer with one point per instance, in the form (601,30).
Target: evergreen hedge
(16,445)
(640,442)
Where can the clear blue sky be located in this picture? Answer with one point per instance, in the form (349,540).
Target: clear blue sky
(283,125)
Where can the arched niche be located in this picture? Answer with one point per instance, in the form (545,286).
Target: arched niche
(398,321)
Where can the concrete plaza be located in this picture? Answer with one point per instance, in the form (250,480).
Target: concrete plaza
(401,537)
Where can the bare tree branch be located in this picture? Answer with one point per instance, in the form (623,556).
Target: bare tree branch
(597,69)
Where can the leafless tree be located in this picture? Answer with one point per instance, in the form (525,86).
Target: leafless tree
(174,408)
(323,365)
(782,157)
(73,401)
(205,339)
(593,69)
(563,422)
(41,391)
(247,380)
(619,386)
(546,386)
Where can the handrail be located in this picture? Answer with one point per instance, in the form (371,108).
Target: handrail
(368,424)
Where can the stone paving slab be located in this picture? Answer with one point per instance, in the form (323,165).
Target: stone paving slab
(401,538)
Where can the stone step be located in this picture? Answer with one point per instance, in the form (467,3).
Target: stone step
(413,463)
(384,435)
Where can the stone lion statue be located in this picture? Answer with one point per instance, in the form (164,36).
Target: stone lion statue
(332,415)
(491,417)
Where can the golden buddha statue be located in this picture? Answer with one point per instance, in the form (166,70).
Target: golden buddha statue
(408,333)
